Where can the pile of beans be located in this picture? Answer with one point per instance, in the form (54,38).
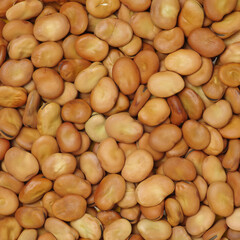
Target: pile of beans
(119,119)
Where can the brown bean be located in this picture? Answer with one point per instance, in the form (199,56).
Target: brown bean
(217,191)
(10,227)
(16,28)
(28,234)
(35,189)
(128,80)
(4,146)
(233,179)
(205,42)
(179,233)
(77,17)
(91,48)
(231,130)
(153,213)
(48,200)
(68,46)
(232,221)
(231,53)
(164,137)
(69,208)
(229,74)
(51,27)
(137,6)
(4,6)
(85,144)
(133,47)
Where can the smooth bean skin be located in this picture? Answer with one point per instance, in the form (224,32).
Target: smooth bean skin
(51,27)
(132,170)
(233,179)
(170,82)
(4,146)
(72,184)
(137,6)
(168,41)
(123,128)
(107,217)
(220,190)
(48,200)
(232,221)
(69,208)
(30,217)
(194,226)
(68,138)
(21,164)
(110,155)
(231,53)
(164,13)
(195,134)
(164,137)
(230,131)
(183,61)
(185,170)
(58,164)
(205,42)
(4,6)
(91,48)
(110,191)
(88,227)
(49,119)
(47,54)
(28,234)
(68,46)
(153,213)
(228,74)
(115,32)
(128,80)
(77,17)
(154,190)
(119,229)
(10,227)
(35,189)
(148,64)
(9,201)
(16,28)
(158,230)
(179,233)
(133,47)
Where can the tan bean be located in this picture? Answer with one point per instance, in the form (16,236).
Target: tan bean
(164,137)
(154,190)
(185,170)
(127,148)
(47,54)
(232,221)
(228,74)
(9,227)
(35,189)
(72,184)
(165,84)
(48,200)
(231,53)
(12,97)
(129,199)
(91,167)
(132,170)
(91,48)
(58,164)
(68,46)
(196,135)
(133,47)
(85,144)
(48,119)
(43,147)
(76,111)
(24,10)
(180,149)
(204,73)
(128,80)
(4,6)
(69,208)
(26,137)
(16,28)
(88,227)
(201,221)
(9,201)
(115,32)
(174,211)
(137,6)
(51,27)
(179,233)
(187,195)
(217,230)
(60,229)
(77,17)
(148,64)
(157,230)
(22,47)
(21,164)
(154,112)
(104,95)
(164,13)
(232,234)
(110,191)
(205,42)
(28,234)
(107,217)
(102,9)
(123,128)
(70,68)
(30,217)
(231,130)
(135,237)
(153,213)
(217,191)
(143,26)
(233,179)
(4,146)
